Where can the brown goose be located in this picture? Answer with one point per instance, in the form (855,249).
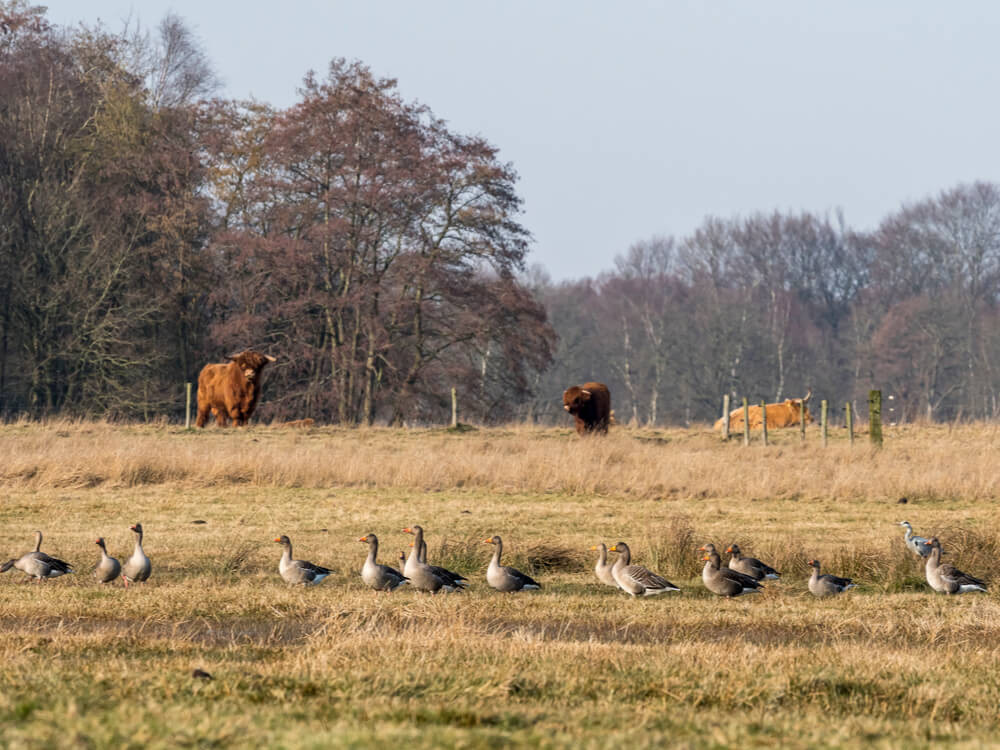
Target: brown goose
(453,579)
(379,577)
(138,567)
(724,581)
(108,569)
(503,577)
(750,566)
(421,576)
(603,568)
(298,571)
(37,564)
(947,579)
(827,585)
(635,579)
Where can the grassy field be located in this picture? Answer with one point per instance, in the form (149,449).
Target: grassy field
(575,665)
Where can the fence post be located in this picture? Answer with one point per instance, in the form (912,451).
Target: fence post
(850,422)
(802,423)
(454,408)
(763,421)
(822,419)
(187,407)
(875,418)
(725,417)
(746,422)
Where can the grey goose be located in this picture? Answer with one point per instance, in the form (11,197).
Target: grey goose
(38,565)
(421,575)
(750,566)
(503,577)
(916,544)
(827,585)
(379,577)
(635,579)
(298,571)
(602,569)
(138,567)
(108,568)
(451,577)
(947,579)
(725,581)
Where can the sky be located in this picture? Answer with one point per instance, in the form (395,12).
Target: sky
(633,119)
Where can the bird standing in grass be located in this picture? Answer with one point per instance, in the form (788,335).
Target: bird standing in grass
(750,566)
(138,567)
(379,577)
(827,585)
(298,571)
(947,579)
(503,577)
(37,564)
(724,581)
(916,544)
(108,568)
(635,579)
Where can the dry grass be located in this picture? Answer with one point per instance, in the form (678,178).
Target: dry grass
(575,665)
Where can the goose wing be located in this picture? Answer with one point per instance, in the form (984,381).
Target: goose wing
(836,580)
(648,579)
(453,578)
(522,578)
(59,567)
(741,578)
(953,575)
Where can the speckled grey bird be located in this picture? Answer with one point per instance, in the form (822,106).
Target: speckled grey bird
(503,577)
(916,544)
(298,571)
(724,581)
(827,585)
(379,577)
(750,566)
(947,579)
(37,564)
(635,579)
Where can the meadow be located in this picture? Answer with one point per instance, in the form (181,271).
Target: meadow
(577,664)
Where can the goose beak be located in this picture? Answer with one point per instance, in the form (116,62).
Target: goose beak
(594,548)
(613,549)
(706,558)
(362,539)
(407,530)
(277,539)
(487,541)
(729,548)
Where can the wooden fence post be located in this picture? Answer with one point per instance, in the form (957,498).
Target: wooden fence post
(454,408)
(822,419)
(746,422)
(802,423)
(850,422)
(875,418)
(725,417)
(187,407)
(763,421)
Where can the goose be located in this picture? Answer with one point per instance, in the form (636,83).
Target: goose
(917,544)
(298,571)
(750,566)
(503,577)
(421,576)
(138,567)
(826,585)
(401,563)
(725,581)
(452,578)
(947,579)
(108,569)
(379,577)
(635,579)
(603,568)
(37,564)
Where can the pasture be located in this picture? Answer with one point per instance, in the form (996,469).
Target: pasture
(577,664)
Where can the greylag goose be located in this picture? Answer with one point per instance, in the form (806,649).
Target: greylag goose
(108,569)
(635,579)
(725,581)
(503,577)
(298,571)
(421,576)
(138,567)
(37,564)
(603,568)
(947,579)
(826,585)
(379,577)
(916,544)
(750,566)
(450,577)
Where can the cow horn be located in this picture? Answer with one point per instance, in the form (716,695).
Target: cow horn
(269,358)
(584,390)
(808,395)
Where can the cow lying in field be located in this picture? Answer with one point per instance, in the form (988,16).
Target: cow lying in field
(786,414)
(230,390)
(590,405)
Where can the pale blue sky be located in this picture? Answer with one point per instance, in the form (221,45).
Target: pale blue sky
(631,119)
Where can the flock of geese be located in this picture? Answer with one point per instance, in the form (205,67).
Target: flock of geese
(742,575)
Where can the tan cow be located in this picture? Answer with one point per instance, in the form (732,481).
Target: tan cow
(230,390)
(786,414)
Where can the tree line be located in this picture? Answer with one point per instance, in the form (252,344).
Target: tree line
(769,306)
(148,226)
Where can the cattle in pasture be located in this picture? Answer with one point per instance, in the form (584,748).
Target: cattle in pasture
(230,390)
(590,405)
(788,413)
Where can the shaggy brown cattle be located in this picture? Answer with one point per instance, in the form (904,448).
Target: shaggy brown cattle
(786,414)
(590,405)
(231,390)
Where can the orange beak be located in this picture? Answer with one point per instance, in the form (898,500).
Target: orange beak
(277,539)
(363,539)
(706,558)
(407,530)
(702,549)
(487,541)
(613,549)
(729,548)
